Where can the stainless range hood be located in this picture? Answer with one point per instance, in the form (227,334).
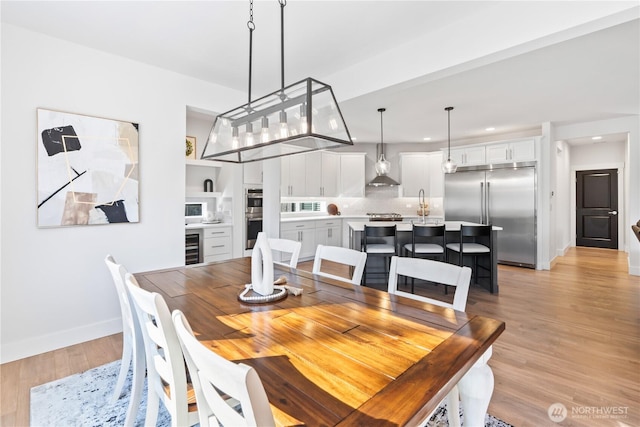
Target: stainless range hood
(383,181)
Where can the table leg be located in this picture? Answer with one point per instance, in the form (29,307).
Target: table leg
(475,389)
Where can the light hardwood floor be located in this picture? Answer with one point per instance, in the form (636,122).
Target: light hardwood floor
(572,337)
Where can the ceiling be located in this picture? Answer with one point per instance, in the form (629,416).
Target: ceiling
(507,65)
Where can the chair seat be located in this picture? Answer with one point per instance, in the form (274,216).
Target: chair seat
(425,248)
(381,248)
(469,248)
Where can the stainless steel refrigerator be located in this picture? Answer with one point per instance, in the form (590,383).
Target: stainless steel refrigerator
(504,196)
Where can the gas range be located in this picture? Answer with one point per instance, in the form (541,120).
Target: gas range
(385,216)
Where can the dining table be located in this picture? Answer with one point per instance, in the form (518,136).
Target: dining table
(336,354)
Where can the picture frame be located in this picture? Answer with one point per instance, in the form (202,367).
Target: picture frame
(87,170)
(191,147)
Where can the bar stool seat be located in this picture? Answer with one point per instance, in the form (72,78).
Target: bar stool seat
(425,248)
(469,248)
(380,248)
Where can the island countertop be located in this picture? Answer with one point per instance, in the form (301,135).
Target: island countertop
(406,226)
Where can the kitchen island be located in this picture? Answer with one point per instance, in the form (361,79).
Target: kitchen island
(356,228)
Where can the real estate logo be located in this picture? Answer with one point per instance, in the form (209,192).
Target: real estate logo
(557,412)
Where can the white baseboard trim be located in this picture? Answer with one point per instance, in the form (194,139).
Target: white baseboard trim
(634,270)
(15,350)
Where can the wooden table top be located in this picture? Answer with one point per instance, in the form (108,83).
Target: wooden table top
(338,354)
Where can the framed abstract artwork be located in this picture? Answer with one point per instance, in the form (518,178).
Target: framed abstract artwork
(191,147)
(87,170)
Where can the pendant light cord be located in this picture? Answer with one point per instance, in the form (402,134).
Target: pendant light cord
(381,110)
(449,132)
(251,27)
(283,3)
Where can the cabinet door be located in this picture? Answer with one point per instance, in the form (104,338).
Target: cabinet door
(313,173)
(498,153)
(436,176)
(414,174)
(308,240)
(292,176)
(474,156)
(252,173)
(329,236)
(522,151)
(297,175)
(352,175)
(305,236)
(330,172)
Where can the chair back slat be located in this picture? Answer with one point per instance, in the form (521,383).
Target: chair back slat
(432,271)
(346,256)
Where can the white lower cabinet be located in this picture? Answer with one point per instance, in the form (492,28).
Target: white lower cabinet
(329,232)
(303,232)
(216,245)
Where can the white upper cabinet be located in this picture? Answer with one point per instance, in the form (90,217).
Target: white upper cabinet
(252,173)
(322,173)
(414,173)
(293,176)
(517,151)
(468,156)
(352,175)
(421,171)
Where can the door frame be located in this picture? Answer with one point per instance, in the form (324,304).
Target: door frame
(622,203)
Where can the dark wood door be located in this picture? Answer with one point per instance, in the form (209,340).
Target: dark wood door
(597,208)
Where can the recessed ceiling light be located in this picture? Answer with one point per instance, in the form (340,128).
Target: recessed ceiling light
(426,139)
(595,138)
(490,129)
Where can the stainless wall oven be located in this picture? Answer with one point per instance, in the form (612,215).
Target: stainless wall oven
(253,215)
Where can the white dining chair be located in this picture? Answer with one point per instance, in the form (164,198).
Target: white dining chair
(286,248)
(350,257)
(218,381)
(436,272)
(166,372)
(132,344)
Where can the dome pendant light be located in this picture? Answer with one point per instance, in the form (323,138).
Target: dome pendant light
(449,166)
(382,165)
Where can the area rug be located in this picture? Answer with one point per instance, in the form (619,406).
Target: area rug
(84,399)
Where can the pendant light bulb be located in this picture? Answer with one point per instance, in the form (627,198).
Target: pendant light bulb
(264,134)
(449,166)
(284,127)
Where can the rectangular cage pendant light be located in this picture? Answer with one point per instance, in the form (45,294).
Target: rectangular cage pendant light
(299,118)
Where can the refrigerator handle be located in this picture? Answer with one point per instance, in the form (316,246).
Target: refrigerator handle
(488,216)
(482,201)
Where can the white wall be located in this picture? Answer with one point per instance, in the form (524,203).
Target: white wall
(563,198)
(55,288)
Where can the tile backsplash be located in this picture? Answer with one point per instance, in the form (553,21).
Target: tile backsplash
(382,200)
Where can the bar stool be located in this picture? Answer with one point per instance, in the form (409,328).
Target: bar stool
(427,241)
(375,242)
(466,247)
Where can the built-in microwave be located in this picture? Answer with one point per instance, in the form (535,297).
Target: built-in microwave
(195,210)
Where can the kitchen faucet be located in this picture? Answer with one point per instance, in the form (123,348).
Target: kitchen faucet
(422,205)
